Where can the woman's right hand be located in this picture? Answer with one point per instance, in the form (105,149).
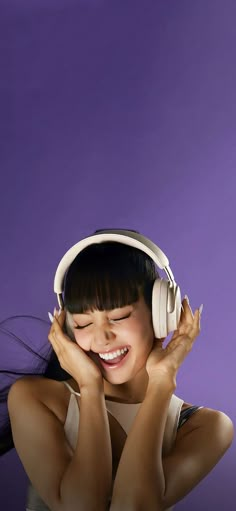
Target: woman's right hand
(72,358)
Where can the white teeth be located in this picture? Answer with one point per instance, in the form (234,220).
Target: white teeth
(114,354)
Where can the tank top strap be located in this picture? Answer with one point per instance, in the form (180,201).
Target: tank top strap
(70,388)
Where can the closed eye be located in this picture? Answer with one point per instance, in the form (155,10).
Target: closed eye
(78,327)
(120,319)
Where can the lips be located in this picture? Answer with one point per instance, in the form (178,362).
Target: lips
(115,360)
(114,363)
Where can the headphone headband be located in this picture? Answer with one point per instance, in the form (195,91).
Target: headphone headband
(166,297)
(130,238)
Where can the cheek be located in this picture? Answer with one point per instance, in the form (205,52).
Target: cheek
(82,340)
(147,335)
(142,331)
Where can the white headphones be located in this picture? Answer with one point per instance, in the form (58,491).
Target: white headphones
(166,297)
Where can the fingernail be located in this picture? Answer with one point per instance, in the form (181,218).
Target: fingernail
(201,309)
(186,298)
(55,312)
(59,312)
(50,317)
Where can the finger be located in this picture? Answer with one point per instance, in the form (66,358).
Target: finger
(60,336)
(195,328)
(187,332)
(59,319)
(60,316)
(188,313)
(52,330)
(197,319)
(55,329)
(53,340)
(57,316)
(182,346)
(182,308)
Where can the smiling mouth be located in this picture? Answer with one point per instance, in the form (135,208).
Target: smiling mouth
(114,361)
(113,355)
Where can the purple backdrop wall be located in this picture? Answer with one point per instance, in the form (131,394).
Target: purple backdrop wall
(122,114)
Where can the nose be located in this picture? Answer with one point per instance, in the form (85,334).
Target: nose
(103,335)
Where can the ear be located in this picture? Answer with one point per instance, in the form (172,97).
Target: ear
(69,326)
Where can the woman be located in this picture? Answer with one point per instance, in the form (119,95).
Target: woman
(114,435)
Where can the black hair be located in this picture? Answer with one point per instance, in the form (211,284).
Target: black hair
(25,350)
(108,275)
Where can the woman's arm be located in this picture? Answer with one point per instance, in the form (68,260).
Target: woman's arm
(140,482)
(86,483)
(81,482)
(199,445)
(65,482)
(144,479)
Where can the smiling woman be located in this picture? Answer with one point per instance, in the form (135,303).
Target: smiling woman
(119,404)
(108,357)
(103,336)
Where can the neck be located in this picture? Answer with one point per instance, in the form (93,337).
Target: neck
(132,391)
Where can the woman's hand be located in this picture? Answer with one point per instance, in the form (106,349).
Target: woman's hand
(72,358)
(166,361)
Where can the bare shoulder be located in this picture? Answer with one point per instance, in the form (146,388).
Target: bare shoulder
(199,445)
(52,393)
(36,406)
(210,421)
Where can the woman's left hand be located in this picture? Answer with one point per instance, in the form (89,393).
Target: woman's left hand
(168,360)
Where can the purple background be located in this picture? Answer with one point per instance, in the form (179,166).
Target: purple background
(123,114)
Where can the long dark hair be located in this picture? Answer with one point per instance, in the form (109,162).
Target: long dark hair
(25,350)
(103,276)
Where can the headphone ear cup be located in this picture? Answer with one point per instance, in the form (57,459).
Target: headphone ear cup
(159,308)
(173,316)
(166,307)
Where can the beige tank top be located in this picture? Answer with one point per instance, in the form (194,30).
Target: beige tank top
(124,413)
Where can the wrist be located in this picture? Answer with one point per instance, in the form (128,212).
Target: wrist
(92,387)
(162,379)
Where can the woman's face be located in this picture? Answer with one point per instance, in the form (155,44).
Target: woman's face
(108,332)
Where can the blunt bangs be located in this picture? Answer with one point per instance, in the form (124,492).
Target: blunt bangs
(108,275)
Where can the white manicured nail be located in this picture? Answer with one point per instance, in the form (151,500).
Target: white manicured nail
(60,311)
(201,308)
(50,317)
(186,298)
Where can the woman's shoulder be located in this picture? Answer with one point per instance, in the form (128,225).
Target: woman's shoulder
(54,394)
